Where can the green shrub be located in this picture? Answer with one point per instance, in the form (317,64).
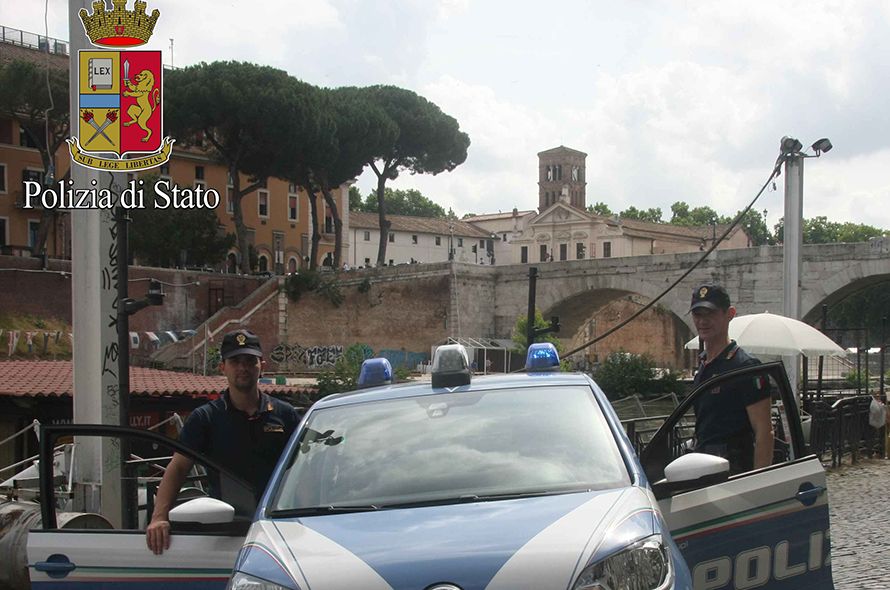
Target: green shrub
(310,280)
(623,374)
(856,379)
(344,375)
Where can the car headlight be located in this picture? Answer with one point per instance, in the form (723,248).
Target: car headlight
(242,581)
(645,565)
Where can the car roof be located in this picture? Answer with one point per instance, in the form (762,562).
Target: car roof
(478,383)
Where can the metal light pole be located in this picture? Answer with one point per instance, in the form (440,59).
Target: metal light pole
(793,156)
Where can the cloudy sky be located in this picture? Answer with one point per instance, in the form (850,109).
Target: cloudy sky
(670,100)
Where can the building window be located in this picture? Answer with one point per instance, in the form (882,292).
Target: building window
(563,251)
(482,243)
(328,224)
(3,239)
(579,251)
(438,240)
(293,202)
(543,252)
(2,178)
(164,171)
(523,254)
(505,238)
(33,228)
(263,263)
(32,174)
(460,242)
(367,236)
(413,239)
(6,131)
(25,139)
(199,172)
(367,262)
(392,238)
(607,249)
(263,203)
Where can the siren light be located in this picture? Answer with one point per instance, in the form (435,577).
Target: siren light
(451,366)
(542,356)
(375,371)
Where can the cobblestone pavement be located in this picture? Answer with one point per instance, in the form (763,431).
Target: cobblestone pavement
(859,496)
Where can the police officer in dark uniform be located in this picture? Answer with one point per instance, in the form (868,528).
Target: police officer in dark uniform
(733,419)
(243,429)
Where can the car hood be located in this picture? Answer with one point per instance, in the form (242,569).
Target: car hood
(540,543)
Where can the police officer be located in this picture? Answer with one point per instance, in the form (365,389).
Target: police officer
(732,419)
(243,429)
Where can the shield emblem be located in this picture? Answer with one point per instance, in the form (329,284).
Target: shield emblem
(120,102)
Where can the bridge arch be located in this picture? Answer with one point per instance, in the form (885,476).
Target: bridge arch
(588,306)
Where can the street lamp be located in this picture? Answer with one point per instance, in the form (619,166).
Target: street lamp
(792,155)
(450,241)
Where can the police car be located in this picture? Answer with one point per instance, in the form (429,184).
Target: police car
(513,481)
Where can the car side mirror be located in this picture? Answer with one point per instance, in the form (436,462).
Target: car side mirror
(691,471)
(203,511)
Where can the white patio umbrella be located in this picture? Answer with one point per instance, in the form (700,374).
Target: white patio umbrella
(766,333)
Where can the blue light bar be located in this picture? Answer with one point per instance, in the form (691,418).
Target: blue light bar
(451,366)
(542,356)
(376,371)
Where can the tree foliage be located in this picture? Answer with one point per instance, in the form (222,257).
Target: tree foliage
(41,112)
(428,142)
(819,230)
(409,202)
(599,208)
(250,118)
(652,215)
(191,237)
(519,333)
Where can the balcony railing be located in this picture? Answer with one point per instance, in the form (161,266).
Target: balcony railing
(33,41)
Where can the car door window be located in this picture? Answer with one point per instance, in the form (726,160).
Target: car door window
(762,527)
(676,436)
(89,530)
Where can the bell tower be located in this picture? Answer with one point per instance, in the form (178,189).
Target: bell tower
(562,176)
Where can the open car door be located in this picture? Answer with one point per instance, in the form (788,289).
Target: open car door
(764,528)
(200,555)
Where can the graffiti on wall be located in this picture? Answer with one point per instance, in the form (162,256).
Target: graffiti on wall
(294,357)
(404,358)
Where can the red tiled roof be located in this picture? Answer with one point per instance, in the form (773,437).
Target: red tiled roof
(55,378)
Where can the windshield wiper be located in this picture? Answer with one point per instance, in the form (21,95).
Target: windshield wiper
(470,498)
(319,510)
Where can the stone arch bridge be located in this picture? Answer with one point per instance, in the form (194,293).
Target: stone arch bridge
(409,308)
(573,290)
(485,300)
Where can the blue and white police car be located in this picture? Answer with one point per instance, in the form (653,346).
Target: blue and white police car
(522,481)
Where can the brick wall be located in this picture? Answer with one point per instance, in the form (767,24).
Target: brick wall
(25,288)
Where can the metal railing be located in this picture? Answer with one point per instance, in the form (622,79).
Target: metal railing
(33,41)
(840,427)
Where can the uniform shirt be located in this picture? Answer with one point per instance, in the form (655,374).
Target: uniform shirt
(722,426)
(249,446)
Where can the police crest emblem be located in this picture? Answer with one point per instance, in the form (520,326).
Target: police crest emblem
(120,117)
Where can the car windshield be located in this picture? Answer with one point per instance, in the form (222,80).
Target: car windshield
(466,446)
